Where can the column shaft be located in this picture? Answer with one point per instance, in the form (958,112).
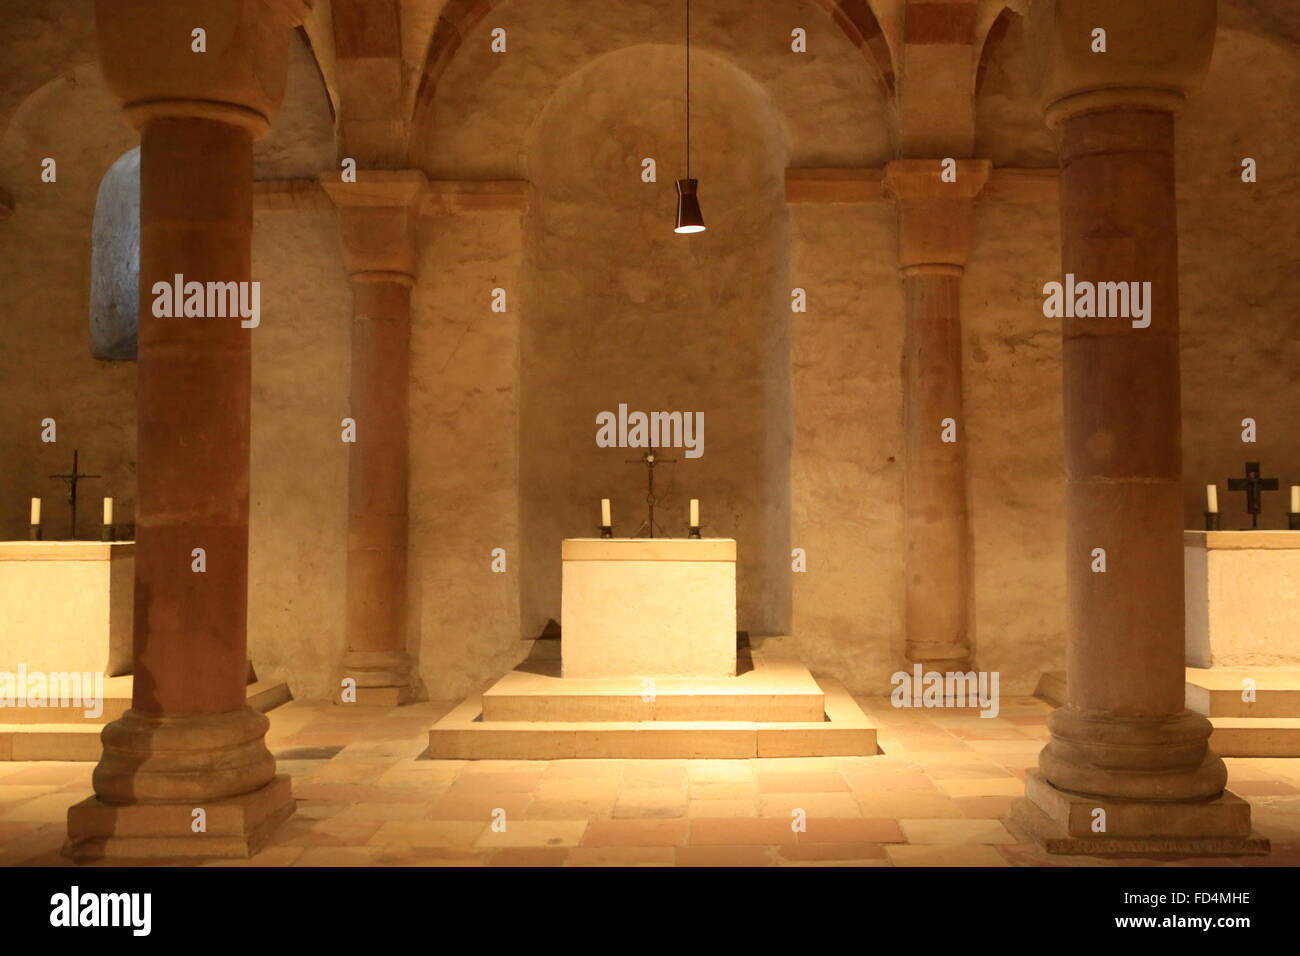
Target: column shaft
(196,220)
(1125,732)
(378,216)
(378,479)
(934,496)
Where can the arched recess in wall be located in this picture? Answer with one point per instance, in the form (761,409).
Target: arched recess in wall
(623,312)
(479,115)
(115,262)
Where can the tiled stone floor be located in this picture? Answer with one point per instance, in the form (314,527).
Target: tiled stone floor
(936,796)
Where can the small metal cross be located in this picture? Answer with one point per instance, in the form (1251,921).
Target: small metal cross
(1252,485)
(72,480)
(650,459)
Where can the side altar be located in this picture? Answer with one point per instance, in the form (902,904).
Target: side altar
(67,605)
(1242,598)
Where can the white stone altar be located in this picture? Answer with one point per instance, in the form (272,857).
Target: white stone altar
(1242,598)
(67,605)
(643,607)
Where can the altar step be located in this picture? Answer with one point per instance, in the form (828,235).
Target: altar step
(1267,727)
(573,719)
(65,733)
(768,691)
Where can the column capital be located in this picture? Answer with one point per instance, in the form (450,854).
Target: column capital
(147,57)
(1156,54)
(378,215)
(934,215)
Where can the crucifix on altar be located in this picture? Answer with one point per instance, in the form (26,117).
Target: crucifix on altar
(650,459)
(71,480)
(1252,485)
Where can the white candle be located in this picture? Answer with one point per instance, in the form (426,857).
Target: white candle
(695,512)
(1295,499)
(604,513)
(108,511)
(36,511)
(1212,498)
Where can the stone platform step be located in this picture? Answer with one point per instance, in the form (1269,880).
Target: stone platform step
(60,733)
(841,730)
(1051,688)
(1267,727)
(1255,736)
(767,691)
(1217,691)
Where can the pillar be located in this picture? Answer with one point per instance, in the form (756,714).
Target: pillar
(189,741)
(1127,768)
(934,225)
(378,215)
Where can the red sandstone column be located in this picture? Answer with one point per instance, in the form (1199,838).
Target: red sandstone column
(1125,744)
(190,740)
(378,215)
(934,220)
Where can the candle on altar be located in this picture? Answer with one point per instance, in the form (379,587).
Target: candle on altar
(1212,499)
(108,511)
(695,512)
(604,513)
(1295,499)
(36,511)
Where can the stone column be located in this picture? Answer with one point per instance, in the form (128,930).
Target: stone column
(1128,768)
(934,225)
(378,215)
(190,741)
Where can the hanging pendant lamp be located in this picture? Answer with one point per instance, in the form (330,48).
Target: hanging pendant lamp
(689,217)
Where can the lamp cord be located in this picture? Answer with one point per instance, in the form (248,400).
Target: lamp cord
(688,89)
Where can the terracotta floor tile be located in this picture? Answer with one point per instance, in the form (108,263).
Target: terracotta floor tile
(871,782)
(724,856)
(851,830)
(475,805)
(804,852)
(650,802)
(598,809)
(898,804)
(1007,786)
(742,831)
(534,833)
(583,769)
(722,808)
(990,807)
(429,833)
(955,831)
(529,856)
(800,782)
(512,781)
(812,804)
(945,855)
(671,832)
(622,856)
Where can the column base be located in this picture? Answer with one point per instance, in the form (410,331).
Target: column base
(236,827)
(1062,822)
(383,696)
(383,678)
